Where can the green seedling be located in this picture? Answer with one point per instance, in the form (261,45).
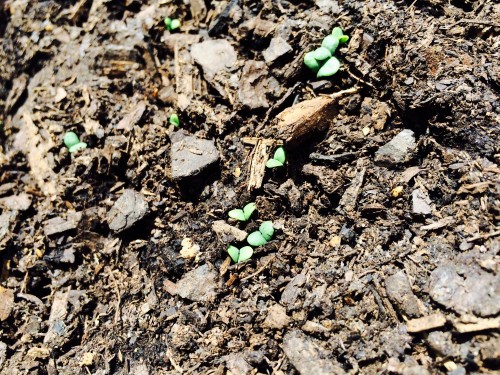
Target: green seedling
(321,54)
(240,255)
(278,160)
(263,235)
(331,42)
(331,67)
(174,120)
(339,34)
(311,62)
(172,24)
(72,142)
(243,214)
(321,61)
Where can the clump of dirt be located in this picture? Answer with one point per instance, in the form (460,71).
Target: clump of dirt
(384,257)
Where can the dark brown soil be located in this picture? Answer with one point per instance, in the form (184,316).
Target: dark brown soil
(380,263)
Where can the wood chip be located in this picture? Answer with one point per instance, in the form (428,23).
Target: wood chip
(476,324)
(304,120)
(6,303)
(426,323)
(260,155)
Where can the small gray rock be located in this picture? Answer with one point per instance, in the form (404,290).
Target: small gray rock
(19,202)
(127,210)
(307,356)
(292,290)
(214,56)
(191,155)
(59,225)
(400,293)
(398,149)
(276,317)
(198,285)
(420,202)
(278,47)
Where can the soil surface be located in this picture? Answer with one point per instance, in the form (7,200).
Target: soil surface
(386,212)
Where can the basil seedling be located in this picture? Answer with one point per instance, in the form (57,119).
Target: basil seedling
(243,214)
(263,235)
(240,255)
(72,142)
(278,160)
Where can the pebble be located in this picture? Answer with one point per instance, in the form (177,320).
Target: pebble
(278,47)
(307,356)
(214,56)
(198,285)
(276,317)
(397,150)
(420,203)
(191,155)
(127,210)
(401,295)
(6,303)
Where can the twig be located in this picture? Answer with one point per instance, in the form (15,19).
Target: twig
(259,270)
(338,94)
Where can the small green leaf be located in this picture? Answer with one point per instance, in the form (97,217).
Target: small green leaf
(267,230)
(279,155)
(331,67)
(78,147)
(330,43)
(237,214)
(168,22)
(175,24)
(234,253)
(248,210)
(321,54)
(311,62)
(337,32)
(256,239)
(246,253)
(71,139)
(174,120)
(273,163)
(343,39)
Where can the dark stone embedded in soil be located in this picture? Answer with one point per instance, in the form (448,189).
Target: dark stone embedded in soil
(191,155)
(307,356)
(127,210)
(397,150)
(278,47)
(59,225)
(400,293)
(198,285)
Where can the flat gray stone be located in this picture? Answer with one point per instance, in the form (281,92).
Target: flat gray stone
(191,155)
(307,356)
(398,149)
(59,225)
(127,210)
(199,284)
(278,47)
(420,203)
(20,202)
(214,56)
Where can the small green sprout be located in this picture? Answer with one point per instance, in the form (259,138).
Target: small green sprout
(329,68)
(321,54)
(243,214)
(278,160)
(321,61)
(339,34)
(172,24)
(174,120)
(331,43)
(240,255)
(263,235)
(311,62)
(72,142)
